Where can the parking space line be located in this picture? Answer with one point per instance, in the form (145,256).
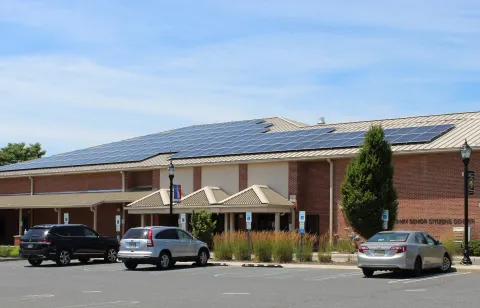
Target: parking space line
(104,304)
(236,293)
(345,275)
(88,292)
(437,277)
(28,297)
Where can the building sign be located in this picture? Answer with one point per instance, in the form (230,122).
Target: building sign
(433,221)
(471,182)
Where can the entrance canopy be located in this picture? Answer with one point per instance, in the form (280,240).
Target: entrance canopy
(256,198)
(67,200)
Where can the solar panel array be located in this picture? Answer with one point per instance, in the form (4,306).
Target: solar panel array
(243,137)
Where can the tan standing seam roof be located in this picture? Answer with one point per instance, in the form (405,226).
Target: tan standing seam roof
(68,200)
(158,198)
(257,195)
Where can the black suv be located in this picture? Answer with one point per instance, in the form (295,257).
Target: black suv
(62,243)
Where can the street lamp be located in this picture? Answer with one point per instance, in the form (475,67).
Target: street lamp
(171,175)
(466,151)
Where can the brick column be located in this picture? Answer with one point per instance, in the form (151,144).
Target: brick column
(197,178)
(243,176)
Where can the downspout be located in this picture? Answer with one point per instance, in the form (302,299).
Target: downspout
(123,181)
(331,200)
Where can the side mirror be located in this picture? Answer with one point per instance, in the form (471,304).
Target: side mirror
(439,242)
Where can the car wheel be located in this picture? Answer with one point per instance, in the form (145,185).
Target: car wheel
(63,258)
(35,262)
(417,268)
(111,255)
(165,260)
(130,265)
(84,260)
(202,257)
(447,263)
(367,272)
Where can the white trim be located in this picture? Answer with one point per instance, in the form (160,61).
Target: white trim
(257,189)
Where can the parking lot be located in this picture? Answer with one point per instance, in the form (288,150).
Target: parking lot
(111,285)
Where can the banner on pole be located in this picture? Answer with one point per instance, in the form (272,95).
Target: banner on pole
(471,182)
(177,192)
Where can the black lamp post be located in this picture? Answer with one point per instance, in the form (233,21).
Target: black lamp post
(171,175)
(466,151)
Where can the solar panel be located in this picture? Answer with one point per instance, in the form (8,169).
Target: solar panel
(234,138)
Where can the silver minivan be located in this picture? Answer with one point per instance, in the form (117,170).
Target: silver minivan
(161,246)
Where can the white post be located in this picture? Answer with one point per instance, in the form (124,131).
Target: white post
(123,181)
(151,219)
(59,215)
(124,218)
(31,186)
(225,223)
(20,222)
(232,222)
(277,221)
(142,223)
(292,214)
(95,218)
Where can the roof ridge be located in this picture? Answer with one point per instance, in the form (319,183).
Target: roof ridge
(400,118)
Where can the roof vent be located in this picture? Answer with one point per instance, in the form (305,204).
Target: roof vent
(321,120)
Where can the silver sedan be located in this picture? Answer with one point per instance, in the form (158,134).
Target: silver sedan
(402,250)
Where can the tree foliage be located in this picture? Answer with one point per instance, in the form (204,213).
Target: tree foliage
(368,186)
(19,152)
(203,226)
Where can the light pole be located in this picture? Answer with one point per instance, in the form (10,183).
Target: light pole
(171,175)
(466,151)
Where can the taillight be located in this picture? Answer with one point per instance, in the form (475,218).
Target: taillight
(399,249)
(149,238)
(44,240)
(362,249)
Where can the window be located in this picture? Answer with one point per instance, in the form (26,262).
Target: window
(420,239)
(36,233)
(183,235)
(430,240)
(385,237)
(169,234)
(89,232)
(75,231)
(60,231)
(136,234)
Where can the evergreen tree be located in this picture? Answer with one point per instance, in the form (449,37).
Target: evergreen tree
(203,226)
(368,186)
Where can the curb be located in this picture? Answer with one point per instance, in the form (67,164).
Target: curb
(10,259)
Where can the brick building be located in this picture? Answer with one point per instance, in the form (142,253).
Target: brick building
(223,170)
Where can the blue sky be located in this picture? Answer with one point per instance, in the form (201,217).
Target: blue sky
(80,73)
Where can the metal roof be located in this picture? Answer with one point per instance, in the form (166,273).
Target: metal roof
(206,196)
(467,126)
(256,194)
(158,198)
(68,200)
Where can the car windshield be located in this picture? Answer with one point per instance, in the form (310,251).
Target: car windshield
(136,233)
(36,233)
(389,237)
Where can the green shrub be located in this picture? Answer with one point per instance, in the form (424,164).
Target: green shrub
(307,251)
(283,248)
(262,246)
(203,226)
(343,246)
(9,252)
(453,248)
(474,248)
(239,241)
(222,247)
(324,257)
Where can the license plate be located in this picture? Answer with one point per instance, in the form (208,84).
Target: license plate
(379,252)
(132,245)
(30,246)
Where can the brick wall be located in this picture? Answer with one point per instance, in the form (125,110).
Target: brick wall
(46,216)
(81,216)
(242,176)
(156,179)
(138,179)
(106,218)
(78,182)
(197,178)
(15,186)
(429,187)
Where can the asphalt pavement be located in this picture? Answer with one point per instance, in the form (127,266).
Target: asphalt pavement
(111,285)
